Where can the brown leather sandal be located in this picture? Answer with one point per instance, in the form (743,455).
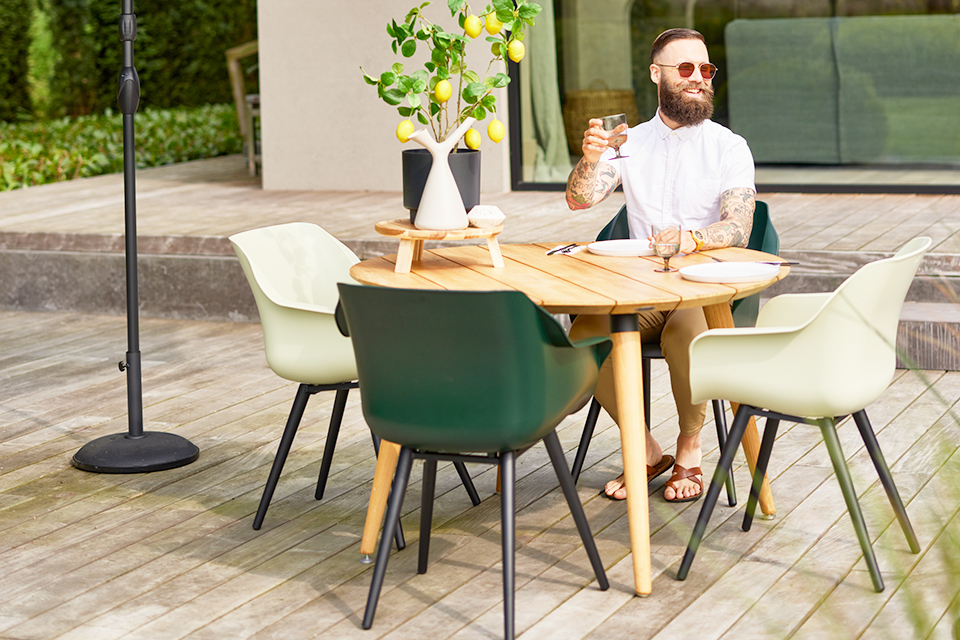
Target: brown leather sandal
(652,472)
(682,473)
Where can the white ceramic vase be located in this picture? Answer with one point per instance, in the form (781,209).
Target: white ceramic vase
(441,207)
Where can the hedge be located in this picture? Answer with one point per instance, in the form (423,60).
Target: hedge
(15,18)
(33,153)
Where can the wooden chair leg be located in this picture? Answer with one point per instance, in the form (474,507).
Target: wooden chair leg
(404,464)
(286,440)
(382,480)
(336,417)
(886,479)
(763,458)
(740,422)
(508,525)
(832,441)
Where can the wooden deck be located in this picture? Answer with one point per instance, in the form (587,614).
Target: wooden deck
(172,554)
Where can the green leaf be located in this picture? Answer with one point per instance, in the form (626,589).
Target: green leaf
(423,35)
(397,68)
(422,118)
(393,45)
(420,76)
(430,66)
(501,80)
(443,74)
(391,30)
(442,39)
(387,78)
(488,101)
(455,5)
(393,96)
(409,48)
(404,111)
(503,5)
(528,12)
(414,100)
(438,57)
(479,112)
(473,91)
(369,79)
(434,109)
(471,76)
(405,84)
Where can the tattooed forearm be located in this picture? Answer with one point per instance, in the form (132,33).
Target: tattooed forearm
(590,183)
(736,220)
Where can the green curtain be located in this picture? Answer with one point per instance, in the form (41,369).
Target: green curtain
(552,161)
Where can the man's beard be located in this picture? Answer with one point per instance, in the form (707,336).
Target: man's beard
(687,111)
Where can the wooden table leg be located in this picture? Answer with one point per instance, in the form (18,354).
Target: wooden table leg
(719,317)
(382,479)
(495,254)
(625,334)
(418,250)
(405,255)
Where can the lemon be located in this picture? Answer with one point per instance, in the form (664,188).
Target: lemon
(404,129)
(472,138)
(493,25)
(443,91)
(495,130)
(472,26)
(516,50)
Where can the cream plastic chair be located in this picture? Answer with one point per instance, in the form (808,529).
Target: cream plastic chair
(293,270)
(811,358)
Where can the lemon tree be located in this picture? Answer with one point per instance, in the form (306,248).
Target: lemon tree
(427,94)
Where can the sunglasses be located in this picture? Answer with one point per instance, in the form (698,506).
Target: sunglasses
(685,69)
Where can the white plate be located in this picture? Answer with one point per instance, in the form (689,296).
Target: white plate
(722,272)
(621,248)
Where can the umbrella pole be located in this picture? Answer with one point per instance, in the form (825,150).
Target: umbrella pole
(136,451)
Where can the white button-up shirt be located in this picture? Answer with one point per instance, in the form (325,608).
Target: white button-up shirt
(676,176)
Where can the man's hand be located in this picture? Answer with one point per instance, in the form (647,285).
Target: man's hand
(591,181)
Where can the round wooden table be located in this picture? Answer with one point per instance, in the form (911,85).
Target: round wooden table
(582,283)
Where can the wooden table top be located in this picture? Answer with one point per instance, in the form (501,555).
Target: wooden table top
(578,283)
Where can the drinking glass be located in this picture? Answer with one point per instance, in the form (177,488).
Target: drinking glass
(609,124)
(666,244)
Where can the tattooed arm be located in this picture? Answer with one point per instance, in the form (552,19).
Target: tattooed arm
(591,181)
(736,220)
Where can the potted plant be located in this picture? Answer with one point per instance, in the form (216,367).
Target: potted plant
(444,92)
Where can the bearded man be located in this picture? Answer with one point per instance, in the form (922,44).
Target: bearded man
(680,169)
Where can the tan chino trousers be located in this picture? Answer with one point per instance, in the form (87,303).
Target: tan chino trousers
(675,330)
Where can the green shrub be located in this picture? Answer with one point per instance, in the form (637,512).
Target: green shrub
(15,19)
(178,53)
(34,153)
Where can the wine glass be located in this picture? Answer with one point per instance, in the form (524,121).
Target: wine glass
(609,124)
(666,244)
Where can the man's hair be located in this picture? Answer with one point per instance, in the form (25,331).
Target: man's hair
(670,35)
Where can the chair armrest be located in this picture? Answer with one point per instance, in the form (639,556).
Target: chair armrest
(791,310)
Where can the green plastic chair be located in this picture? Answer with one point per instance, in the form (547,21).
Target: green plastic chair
(471,377)
(763,237)
(293,270)
(833,354)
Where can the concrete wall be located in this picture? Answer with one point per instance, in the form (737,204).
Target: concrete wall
(322,126)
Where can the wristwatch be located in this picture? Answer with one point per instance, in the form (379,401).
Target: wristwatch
(697,238)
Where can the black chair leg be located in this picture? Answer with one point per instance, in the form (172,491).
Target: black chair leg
(645,378)
(552,442)
(589,425)
(467,482)
(832,441)
(720,419)
(336,417)
(886,479)
(395,503)
(763,458)
(710,500)
(508,524)
(426,512)
(293,422)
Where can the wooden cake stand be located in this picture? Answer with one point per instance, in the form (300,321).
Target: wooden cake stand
(411,240)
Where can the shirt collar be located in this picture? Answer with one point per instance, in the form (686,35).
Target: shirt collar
(683,133)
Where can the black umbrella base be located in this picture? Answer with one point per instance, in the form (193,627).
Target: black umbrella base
(119,453)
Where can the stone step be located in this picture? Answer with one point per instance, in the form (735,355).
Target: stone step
(200,278)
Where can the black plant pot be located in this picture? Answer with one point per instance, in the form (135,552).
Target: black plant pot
(465,165)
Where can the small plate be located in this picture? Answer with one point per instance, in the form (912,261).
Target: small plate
(621,248)
(729,272)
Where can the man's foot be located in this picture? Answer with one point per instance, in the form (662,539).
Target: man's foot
(617,490)
(685,487)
